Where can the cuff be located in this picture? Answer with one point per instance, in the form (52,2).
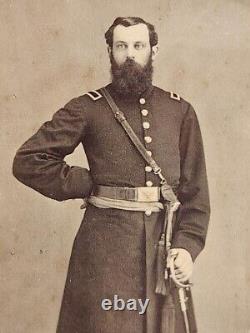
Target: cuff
(187,242)
(78,184)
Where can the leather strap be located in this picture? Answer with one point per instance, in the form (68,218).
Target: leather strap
(136,194)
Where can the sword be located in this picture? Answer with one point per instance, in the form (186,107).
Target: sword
(182,287)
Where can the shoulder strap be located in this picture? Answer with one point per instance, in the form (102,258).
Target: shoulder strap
(167,191)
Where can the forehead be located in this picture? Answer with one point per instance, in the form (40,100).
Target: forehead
(134,33)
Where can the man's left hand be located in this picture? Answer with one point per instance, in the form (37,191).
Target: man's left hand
(183,264)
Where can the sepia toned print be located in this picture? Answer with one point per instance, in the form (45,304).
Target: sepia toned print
(50,226)
(115,249)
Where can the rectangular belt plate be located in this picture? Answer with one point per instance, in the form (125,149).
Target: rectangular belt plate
(148,194)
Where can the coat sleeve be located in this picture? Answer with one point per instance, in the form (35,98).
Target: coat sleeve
(39,163)
(193,216)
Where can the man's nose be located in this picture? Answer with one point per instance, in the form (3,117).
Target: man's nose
(131,52)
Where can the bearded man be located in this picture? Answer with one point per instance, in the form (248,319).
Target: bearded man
(114,253)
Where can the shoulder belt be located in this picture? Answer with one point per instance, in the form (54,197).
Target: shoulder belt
(175,96)
(94,95)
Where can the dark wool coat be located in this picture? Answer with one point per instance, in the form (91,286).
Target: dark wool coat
(114,250)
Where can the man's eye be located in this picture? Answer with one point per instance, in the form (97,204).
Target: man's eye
(139,46)
(120,46)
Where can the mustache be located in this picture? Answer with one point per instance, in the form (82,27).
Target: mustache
(129,65)
(129,62)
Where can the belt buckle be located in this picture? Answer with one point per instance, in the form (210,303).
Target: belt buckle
(148,194)
(130,194)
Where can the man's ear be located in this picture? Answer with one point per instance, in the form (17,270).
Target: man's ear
(155,50)
(109,50)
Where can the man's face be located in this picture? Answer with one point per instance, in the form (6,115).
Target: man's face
(131,43)
(131,59)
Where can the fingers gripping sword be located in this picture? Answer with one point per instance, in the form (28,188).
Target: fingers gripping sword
(182,288)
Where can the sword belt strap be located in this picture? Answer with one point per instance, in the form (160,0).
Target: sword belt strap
(136,194)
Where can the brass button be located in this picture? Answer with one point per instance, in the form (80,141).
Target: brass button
(144,112)
(145,125)
(149,152)
(148,168)
(148,139)
(149,183)
(142,101)
(148,212)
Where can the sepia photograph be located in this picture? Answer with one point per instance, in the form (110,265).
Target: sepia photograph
(124,177)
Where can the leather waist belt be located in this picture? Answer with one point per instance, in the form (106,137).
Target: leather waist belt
(138,194)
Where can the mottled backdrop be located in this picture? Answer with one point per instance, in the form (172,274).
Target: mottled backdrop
(53,50)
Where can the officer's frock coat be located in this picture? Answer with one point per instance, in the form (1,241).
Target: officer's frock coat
(114,250)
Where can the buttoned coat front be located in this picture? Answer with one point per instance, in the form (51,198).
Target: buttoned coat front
(114,250)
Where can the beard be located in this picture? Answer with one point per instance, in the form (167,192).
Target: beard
(130,78)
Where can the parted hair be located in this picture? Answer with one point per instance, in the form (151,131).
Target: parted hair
(127,22)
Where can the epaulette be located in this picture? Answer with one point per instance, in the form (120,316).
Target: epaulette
(175,96)
(94,95)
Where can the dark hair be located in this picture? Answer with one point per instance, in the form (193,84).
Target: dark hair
(127,22)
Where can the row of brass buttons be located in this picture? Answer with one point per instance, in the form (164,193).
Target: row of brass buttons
(147,139)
